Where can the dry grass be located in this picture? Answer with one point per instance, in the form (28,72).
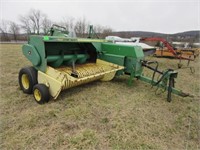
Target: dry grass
(98,115)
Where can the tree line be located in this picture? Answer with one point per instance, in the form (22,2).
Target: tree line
(38,23)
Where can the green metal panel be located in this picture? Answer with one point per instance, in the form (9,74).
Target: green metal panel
(97,46)
(31,54)
(131,57)
(116,59)
(67,39)
(133,65)
(38,43)
(124,50)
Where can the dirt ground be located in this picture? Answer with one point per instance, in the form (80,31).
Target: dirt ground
(99,115)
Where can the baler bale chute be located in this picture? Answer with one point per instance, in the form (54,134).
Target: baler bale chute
(61,62)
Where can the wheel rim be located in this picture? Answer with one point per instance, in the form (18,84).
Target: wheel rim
(37,95)
(25,81)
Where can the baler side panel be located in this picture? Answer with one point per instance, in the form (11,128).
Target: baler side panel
(98,46)
(133,66)
(38,43)
(116,59)
(124,55)
(31,54)
(123,50)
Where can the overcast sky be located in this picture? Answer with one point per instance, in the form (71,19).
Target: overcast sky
(166,16)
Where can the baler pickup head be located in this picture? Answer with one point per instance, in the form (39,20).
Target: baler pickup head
(63,62)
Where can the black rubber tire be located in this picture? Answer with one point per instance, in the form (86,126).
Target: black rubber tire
(44,93)
(31,73)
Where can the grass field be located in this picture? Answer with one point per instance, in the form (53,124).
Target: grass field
(98,115)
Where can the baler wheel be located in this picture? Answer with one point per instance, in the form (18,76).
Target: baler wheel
(41,93)
(27,79)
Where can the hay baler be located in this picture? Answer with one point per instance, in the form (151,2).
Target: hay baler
(60,62)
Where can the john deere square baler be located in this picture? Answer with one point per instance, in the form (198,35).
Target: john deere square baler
(61,62)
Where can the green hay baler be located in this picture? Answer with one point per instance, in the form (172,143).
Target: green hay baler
(61,62)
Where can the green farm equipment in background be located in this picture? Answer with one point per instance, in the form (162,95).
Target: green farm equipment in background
(61,62)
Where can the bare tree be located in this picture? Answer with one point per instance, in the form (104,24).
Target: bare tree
(34,21)
(36,17)
(46,25)
(81,27)
(102,31)
(14,29)
(68,23)
(98,28)
(106,31)
(25,24)
(4,26)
